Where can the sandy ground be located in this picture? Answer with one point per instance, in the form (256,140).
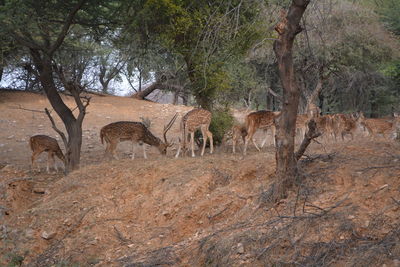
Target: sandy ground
(209,211)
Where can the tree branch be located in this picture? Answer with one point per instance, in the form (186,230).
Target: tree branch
(56,129)
(308,137)
(65,27)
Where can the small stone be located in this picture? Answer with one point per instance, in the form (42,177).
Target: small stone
(383,186)
(47,236)
(93,242)
(1,145)
(40,126)
(366,224)
(351,217)
(67,222)
(131,245)
(10,137)
(108,117)
(240,248)
(341,237)
(39,190)
(29,233)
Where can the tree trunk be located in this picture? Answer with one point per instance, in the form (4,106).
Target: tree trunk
(74,146)
(104,88)
(142,94)
(74,129)
(286,163)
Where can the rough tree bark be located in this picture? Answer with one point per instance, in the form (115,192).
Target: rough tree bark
(42,55)
(155,85)
(286,162)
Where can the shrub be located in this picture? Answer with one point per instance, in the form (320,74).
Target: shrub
(221,123)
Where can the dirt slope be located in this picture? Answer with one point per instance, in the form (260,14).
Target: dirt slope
(210,211)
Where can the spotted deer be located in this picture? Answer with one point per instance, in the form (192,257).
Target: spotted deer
(195,119)
(238,132)
(346,124)
(137,133)
(262,119)
(44,143)
(385,127)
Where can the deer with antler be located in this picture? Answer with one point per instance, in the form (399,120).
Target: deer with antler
(191,121)
(137,133)
(44,143)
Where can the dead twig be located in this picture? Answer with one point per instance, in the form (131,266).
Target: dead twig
(120,236)
(27,109)
(396,201)
(311,134)
(210,217)
(377,167)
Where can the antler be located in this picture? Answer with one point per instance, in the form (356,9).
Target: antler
(168,126)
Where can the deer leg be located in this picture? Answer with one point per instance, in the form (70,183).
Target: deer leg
(248,137)
(192,143)
(265,138)
(133,151)
(53,161)
(255,144)
(204,134)
(210,137)
(179,151)
(273,129)
(34,155)
(49,156)
(234,145)
(144,151)
(107,151)
(113,147)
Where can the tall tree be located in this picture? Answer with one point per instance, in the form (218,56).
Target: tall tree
(204,33)
(41,27)
(286,161)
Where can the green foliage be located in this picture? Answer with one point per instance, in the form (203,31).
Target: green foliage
(389,11)
(221,122)
(14,260)
(205,34)
(392,71)
(67,264)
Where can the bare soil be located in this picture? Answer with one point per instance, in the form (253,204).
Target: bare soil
(204,211)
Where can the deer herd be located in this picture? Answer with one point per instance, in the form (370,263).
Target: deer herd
(331,126)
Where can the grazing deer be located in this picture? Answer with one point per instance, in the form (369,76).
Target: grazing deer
(262,119)
(238,131)
(137,133)
(346,124)
(191,121)
(385,127)
(313,111)
(42,143)
(301,125)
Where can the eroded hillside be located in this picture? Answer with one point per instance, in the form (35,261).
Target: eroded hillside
(210,211)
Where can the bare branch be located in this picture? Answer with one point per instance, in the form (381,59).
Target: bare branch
(55,128)
(27,109)
(311,134)
(66,27)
